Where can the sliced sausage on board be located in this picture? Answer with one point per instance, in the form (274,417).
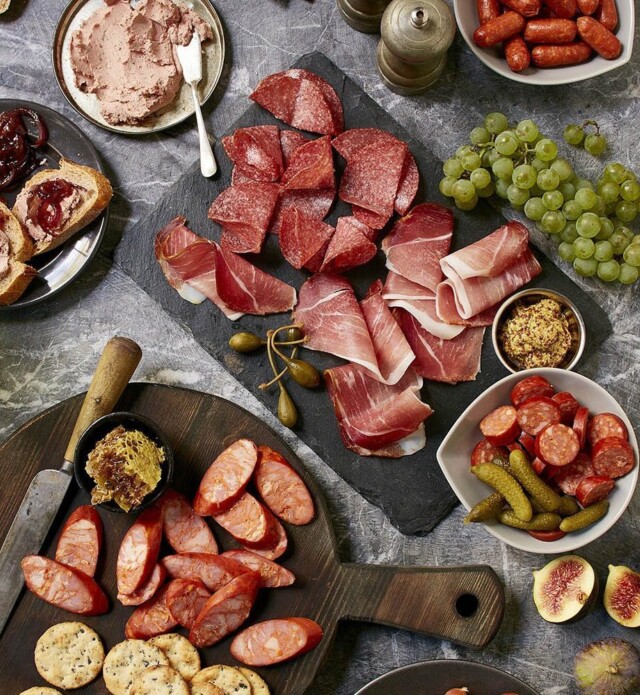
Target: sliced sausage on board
(184,530)
(185,599)
(536,413)
(139,550)
(613,457)
(151,618)
(214,571)
(278,542)
(500,426)
(274,641)
(567,478)
(529,387)
(594,488)
(605,425)
(272,574)
(557,445)
(80,540)
(147,590)
(248,522)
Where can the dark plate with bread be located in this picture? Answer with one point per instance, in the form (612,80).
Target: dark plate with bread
(40,267)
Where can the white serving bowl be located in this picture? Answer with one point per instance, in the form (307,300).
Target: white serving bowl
(455,452)
(467,19)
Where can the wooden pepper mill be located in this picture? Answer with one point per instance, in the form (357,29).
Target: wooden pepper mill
(415,36)
(363,15)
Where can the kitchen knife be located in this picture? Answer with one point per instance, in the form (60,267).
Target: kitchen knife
(47,490)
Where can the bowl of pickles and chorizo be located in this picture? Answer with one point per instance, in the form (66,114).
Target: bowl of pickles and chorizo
(548,42)
(545,459)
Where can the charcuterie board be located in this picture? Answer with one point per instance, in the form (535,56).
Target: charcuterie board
(412,491)
(463,604)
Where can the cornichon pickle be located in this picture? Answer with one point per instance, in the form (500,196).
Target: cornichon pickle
(507,486)
(568,506)
(584,518)
(521,469)
(539,522)
(486,509)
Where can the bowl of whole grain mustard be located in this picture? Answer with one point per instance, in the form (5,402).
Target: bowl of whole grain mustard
(538,328)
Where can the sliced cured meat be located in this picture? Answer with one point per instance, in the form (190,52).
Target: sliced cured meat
(214,571)
(557,444)
(528,443)
(489,256)
(314,204)
(311,167)
(601,426)
(372,415)
(568,406)
(272,575)
(151,618)
(567,478)
(256,152)
(409,182)
(538,465)
(420,302)
(274,641)
(226,478)
(225,611)
(449,361)
(447,312)
(230,241)
(80,540)
(185,599)
(277,541)
(312,111)
(184,530)
(594,488)
(371,178)
(417,243)
(282,489)
(64,587)
(349,247)
(248,522)
(500,426)
(372,220)
(580,424)
(529,387)
(613,457)
(290,140)
(547,536)
(485,452)
(303,239)
(139,550)
(277,94)
(238,177)
(147,590)
(331,97)
(536,413)
(246,210)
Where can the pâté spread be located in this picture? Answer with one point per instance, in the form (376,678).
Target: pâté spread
(536,335)
(126,466)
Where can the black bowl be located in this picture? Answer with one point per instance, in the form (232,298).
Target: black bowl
(97,431)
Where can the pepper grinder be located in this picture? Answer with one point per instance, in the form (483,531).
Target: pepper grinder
(363,15)
(415,37)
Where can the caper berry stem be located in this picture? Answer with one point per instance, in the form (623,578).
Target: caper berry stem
(278,376)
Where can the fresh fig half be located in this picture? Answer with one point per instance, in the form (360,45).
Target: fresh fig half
(622,595)
(608,667)
(564,589)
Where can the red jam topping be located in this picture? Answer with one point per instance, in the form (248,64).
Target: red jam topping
(47,203)
(17,146)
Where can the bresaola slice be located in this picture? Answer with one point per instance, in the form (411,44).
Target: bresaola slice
(303,239)
(256,152)
(349,247)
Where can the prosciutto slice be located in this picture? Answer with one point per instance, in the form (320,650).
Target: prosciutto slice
(417,243)
(449,361)
(418,301)
(376,419)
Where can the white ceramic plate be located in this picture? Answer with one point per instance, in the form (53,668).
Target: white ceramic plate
(465,11)
(455,452)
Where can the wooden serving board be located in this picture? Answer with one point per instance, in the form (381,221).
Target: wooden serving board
(435,601)
(412,491)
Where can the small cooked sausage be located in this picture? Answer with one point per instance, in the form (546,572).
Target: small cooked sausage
(214,571)
(517,54)
(499,29)
(80,540)
(487,10)
(607,14)
(272,574)
(563,9)
(151,618)
(527,8)
(588,6)
(274,641)
(599,38)
(63,587)
(550,31)
(139,550)
(185,599)
(147,590)
(185,531)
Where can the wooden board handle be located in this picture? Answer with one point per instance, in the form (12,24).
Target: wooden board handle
(115,368)
(461,604)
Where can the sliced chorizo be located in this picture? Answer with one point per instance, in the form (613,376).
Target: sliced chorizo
(557,445)
(64,587)
(568,406)
(547,536)
(606,425)
(282,489)
(613,457)
(529,387)
(557,55)
(277,545)
(147,590)
(499,29)
(528,443)
(139,550)
(185,599)
(226,478)
(580,424)
(567,478)
(214,571)
(485,452)
(80,540)
(248,522)
(151,618)
(272,574)
(500,426)
(537,413)
(594,488)
(599,38)
(274,641)
(185,531)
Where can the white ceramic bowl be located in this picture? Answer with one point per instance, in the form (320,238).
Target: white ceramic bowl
(455,452)
(467,19)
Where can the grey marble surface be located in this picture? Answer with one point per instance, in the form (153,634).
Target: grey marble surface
(48,353)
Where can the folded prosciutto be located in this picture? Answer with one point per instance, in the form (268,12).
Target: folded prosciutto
(376,419)
(199,268)
(417,243)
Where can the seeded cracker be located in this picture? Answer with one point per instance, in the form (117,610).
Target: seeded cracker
(205,689)
(126,661)
(40,690)
(69,655)
(227,678)
(182,655)
(258,686)
(159,680)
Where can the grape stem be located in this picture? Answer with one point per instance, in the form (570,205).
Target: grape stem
(593,123)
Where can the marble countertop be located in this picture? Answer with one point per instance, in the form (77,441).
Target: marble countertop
(48,353)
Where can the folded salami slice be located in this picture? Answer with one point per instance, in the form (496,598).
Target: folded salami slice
(311,166)
(303,239)
(371,219)
(290,140)
(256,152)
(349,247)
(314,204)
(409,182)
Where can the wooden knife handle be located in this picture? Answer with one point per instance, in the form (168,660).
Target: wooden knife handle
(115,368)
(461,604)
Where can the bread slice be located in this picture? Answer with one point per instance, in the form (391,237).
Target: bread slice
(95,198)
(19,275)
(4,5)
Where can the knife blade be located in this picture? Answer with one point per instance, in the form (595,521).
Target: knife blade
(47,490)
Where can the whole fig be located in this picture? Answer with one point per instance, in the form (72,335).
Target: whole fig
(608,667)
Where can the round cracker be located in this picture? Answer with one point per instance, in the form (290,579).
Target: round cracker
(182,655)
(227,678)
(258,686)
(126,661)
(159,680)
(69,655)
(40,690)
(205,689)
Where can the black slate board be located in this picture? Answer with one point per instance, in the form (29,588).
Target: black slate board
(412,491)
